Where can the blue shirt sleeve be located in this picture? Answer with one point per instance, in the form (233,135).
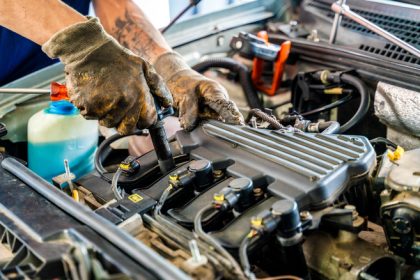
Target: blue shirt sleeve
(20,56)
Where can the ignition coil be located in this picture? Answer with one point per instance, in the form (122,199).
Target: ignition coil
(202,171)
(198,172)
(237,195)
(283,218)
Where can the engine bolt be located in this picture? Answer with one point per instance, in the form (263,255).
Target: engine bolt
(305,215)
(218,173)
(258,192)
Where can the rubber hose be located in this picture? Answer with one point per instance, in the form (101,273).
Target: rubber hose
(139,252)
(244,74)
(364,101)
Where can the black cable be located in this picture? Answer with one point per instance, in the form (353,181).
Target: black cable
(139,252)
(244,75)
(105,149)
(330,106)
(213,242)
(180,14)
(364,100)
(361,88)
(279,105)
(382,140)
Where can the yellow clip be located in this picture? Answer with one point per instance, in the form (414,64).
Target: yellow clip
(218,197)
(397,154)
(173,177)
(256,222)
(124,166)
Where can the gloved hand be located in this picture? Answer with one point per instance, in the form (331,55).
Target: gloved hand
(195,96)
(105,80)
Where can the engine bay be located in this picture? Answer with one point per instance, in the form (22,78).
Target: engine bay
(321,182)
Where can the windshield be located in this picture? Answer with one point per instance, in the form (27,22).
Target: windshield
(170,9)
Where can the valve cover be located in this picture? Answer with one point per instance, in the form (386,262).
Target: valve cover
(312,169)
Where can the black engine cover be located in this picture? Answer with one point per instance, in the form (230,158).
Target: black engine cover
(312,169)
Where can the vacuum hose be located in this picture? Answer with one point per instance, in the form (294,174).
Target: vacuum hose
(364,101)
(236,67)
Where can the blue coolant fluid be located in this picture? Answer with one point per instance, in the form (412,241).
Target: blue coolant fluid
(58,133)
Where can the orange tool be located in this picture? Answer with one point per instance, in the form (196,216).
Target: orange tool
(258,64)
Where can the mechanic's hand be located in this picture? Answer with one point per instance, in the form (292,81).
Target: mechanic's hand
(105,80)
(195,96)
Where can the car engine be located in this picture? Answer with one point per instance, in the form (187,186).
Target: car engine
(321,182)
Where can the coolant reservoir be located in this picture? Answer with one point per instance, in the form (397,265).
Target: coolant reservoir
(57,133)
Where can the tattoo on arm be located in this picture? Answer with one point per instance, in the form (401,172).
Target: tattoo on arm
(136,33)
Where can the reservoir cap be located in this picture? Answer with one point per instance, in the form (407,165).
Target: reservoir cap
(62,107)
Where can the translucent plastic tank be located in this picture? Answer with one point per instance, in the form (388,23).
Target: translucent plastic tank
(57,133)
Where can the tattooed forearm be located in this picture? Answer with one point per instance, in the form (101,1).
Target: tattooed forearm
(129,25)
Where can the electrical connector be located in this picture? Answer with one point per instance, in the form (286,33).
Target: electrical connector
(238,195)
(130,165)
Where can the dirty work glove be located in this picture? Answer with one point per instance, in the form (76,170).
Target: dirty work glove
(195,96)
(105,80)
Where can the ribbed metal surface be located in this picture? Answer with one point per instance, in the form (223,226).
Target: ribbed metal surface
(311,155)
